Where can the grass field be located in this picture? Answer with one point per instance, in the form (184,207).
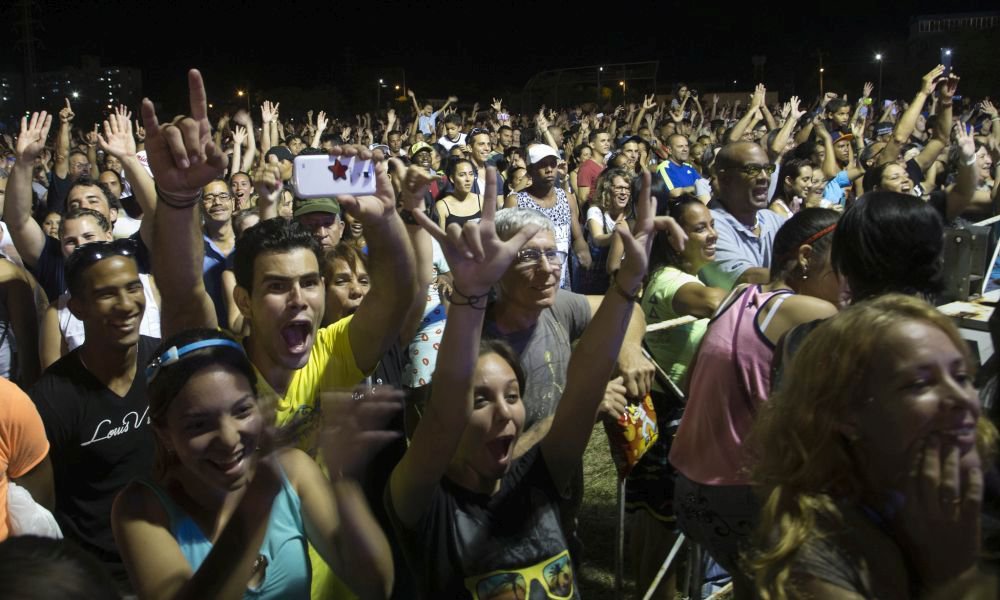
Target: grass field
(597,521)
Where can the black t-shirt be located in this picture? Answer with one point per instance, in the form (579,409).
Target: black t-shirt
(51,273)
(99,442)
(55,200)
(508,545)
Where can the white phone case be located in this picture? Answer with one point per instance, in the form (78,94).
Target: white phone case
(325,176)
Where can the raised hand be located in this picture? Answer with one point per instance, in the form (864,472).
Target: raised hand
(117,139)
(369,207)
(354,427)
(987,107)
(497,104)
(91,137)
(412,184)
(267,182)
(321,122)
(452,99)
(140,131)
(66,114)
(947,87)
(31,140)
(928,81)
(477,257)
(267,112)
(648,102)
(345,134)
(795,114)
(966,142)
(239,136)
(541,121)
(820,128)
(759,94)
(181,153)
(866,91)
(411,94)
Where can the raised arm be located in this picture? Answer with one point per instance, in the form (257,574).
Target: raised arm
(267,114)
(745,122)
(962,194)
(908,121)
(785,133)
(183,159)
(413,97)
(321,123)
(66,116)
(594,358)
(23,319)
(236,158)
(26,233)
(477,259)
(119,142)
(377,322)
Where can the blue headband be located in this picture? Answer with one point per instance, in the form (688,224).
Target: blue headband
(174,354)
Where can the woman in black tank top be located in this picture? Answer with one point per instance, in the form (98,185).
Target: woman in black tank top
(457,205)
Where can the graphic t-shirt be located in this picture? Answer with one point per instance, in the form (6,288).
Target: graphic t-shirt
(99,442)
(508,545)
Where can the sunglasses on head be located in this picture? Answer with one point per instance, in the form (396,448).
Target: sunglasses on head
(88,254)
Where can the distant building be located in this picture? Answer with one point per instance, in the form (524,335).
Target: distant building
(92,89)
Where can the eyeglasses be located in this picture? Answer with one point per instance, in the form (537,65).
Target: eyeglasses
(211,198)
(173,354)
(88,254)
(553,576)
(755,170)
(533,256)
(622,189)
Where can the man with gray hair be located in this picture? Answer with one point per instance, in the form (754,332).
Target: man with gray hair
(541,321)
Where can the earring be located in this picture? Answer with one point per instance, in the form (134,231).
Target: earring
(805,275)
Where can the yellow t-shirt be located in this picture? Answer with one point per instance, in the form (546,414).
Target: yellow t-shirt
(331,366)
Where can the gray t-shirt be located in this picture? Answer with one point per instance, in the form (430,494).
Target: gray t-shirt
(545,350)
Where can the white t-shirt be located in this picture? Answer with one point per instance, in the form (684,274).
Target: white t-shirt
(448,144)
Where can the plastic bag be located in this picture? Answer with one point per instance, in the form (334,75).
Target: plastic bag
(632,435)
(27,517)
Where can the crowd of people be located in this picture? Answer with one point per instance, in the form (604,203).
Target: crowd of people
(215,387)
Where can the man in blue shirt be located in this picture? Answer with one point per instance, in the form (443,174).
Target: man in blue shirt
(745,227)
(678,174)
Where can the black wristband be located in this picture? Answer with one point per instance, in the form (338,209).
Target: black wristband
(471,301)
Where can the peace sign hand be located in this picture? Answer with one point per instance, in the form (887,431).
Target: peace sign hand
(181,153)
(476,255)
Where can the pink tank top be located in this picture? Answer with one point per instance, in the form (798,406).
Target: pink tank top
(730,379)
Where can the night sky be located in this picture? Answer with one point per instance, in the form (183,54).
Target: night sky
(450,50)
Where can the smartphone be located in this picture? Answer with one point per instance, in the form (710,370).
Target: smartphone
(325,176)
(946,60)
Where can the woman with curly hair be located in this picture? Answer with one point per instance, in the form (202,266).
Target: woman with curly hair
(868,461)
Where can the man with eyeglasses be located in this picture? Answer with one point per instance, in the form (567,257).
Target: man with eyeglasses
(220,239)
(541,322)
(745,226)
(93,400)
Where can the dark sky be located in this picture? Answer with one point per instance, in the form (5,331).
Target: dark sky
(445,50)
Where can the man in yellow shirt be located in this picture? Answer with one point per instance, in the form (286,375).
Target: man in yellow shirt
(280,288)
